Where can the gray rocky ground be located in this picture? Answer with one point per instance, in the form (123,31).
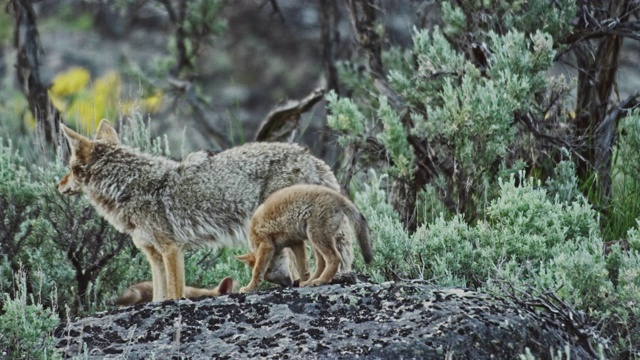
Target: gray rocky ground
(372,321)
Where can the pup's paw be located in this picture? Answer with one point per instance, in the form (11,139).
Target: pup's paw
(318,282)
(246,289)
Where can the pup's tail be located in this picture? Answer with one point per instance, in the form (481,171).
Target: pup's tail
(362,231)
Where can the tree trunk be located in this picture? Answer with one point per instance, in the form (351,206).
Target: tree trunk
(27,43)
(596,81)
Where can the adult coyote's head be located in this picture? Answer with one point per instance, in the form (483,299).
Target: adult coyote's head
(83,155)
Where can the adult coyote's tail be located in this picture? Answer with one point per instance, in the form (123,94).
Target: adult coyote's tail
(362,231)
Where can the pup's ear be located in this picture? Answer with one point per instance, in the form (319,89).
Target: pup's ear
(107,133)
(226,286)
(248,259)
(80,145)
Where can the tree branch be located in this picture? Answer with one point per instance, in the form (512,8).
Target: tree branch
(219,141)
(363,19)
(287,113)
(596,80)
(607,27)
(575,322)
(330,38)
(183,61)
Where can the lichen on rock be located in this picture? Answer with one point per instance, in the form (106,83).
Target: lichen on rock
(373,321)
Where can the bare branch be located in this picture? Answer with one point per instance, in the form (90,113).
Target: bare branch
(288,113)
(574,321)
(218,140)
(598,62)
(172,13)
(363,19)
(276,9)
(529,123)
(604,141)
(183,61)
(330,38)
(351,165)
(599,29)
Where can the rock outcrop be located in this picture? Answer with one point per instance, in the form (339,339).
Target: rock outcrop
(372,321)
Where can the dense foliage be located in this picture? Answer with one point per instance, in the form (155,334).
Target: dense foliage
(454,174)
(467,192)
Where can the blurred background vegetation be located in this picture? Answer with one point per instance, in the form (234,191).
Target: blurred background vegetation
(491,144)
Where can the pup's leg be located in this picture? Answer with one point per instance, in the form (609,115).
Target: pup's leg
(264,254)
(326,247)
(158,274)
(302,263)
(344,238)
(174,268)
(320,265)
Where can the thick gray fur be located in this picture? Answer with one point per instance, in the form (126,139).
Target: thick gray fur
(202,200)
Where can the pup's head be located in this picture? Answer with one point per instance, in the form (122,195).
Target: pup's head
(83,155)
(281,271)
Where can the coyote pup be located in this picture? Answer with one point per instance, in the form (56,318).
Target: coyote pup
(143,292)
(170,206)
(299,212)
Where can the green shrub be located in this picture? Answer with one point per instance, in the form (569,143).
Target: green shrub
(624,208)
(456,118)
(19,194)
(26,325)
(530,238)
(623,315)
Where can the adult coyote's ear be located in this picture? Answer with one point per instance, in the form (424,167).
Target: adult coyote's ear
(80,145)
(107,133)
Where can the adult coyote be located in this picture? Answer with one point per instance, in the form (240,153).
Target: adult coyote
(170,206)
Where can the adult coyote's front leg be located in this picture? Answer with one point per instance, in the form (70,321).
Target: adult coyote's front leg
(158,272)
(173,259)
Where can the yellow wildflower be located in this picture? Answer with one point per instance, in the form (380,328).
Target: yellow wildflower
(70,81)
(152,103)
(107,87)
